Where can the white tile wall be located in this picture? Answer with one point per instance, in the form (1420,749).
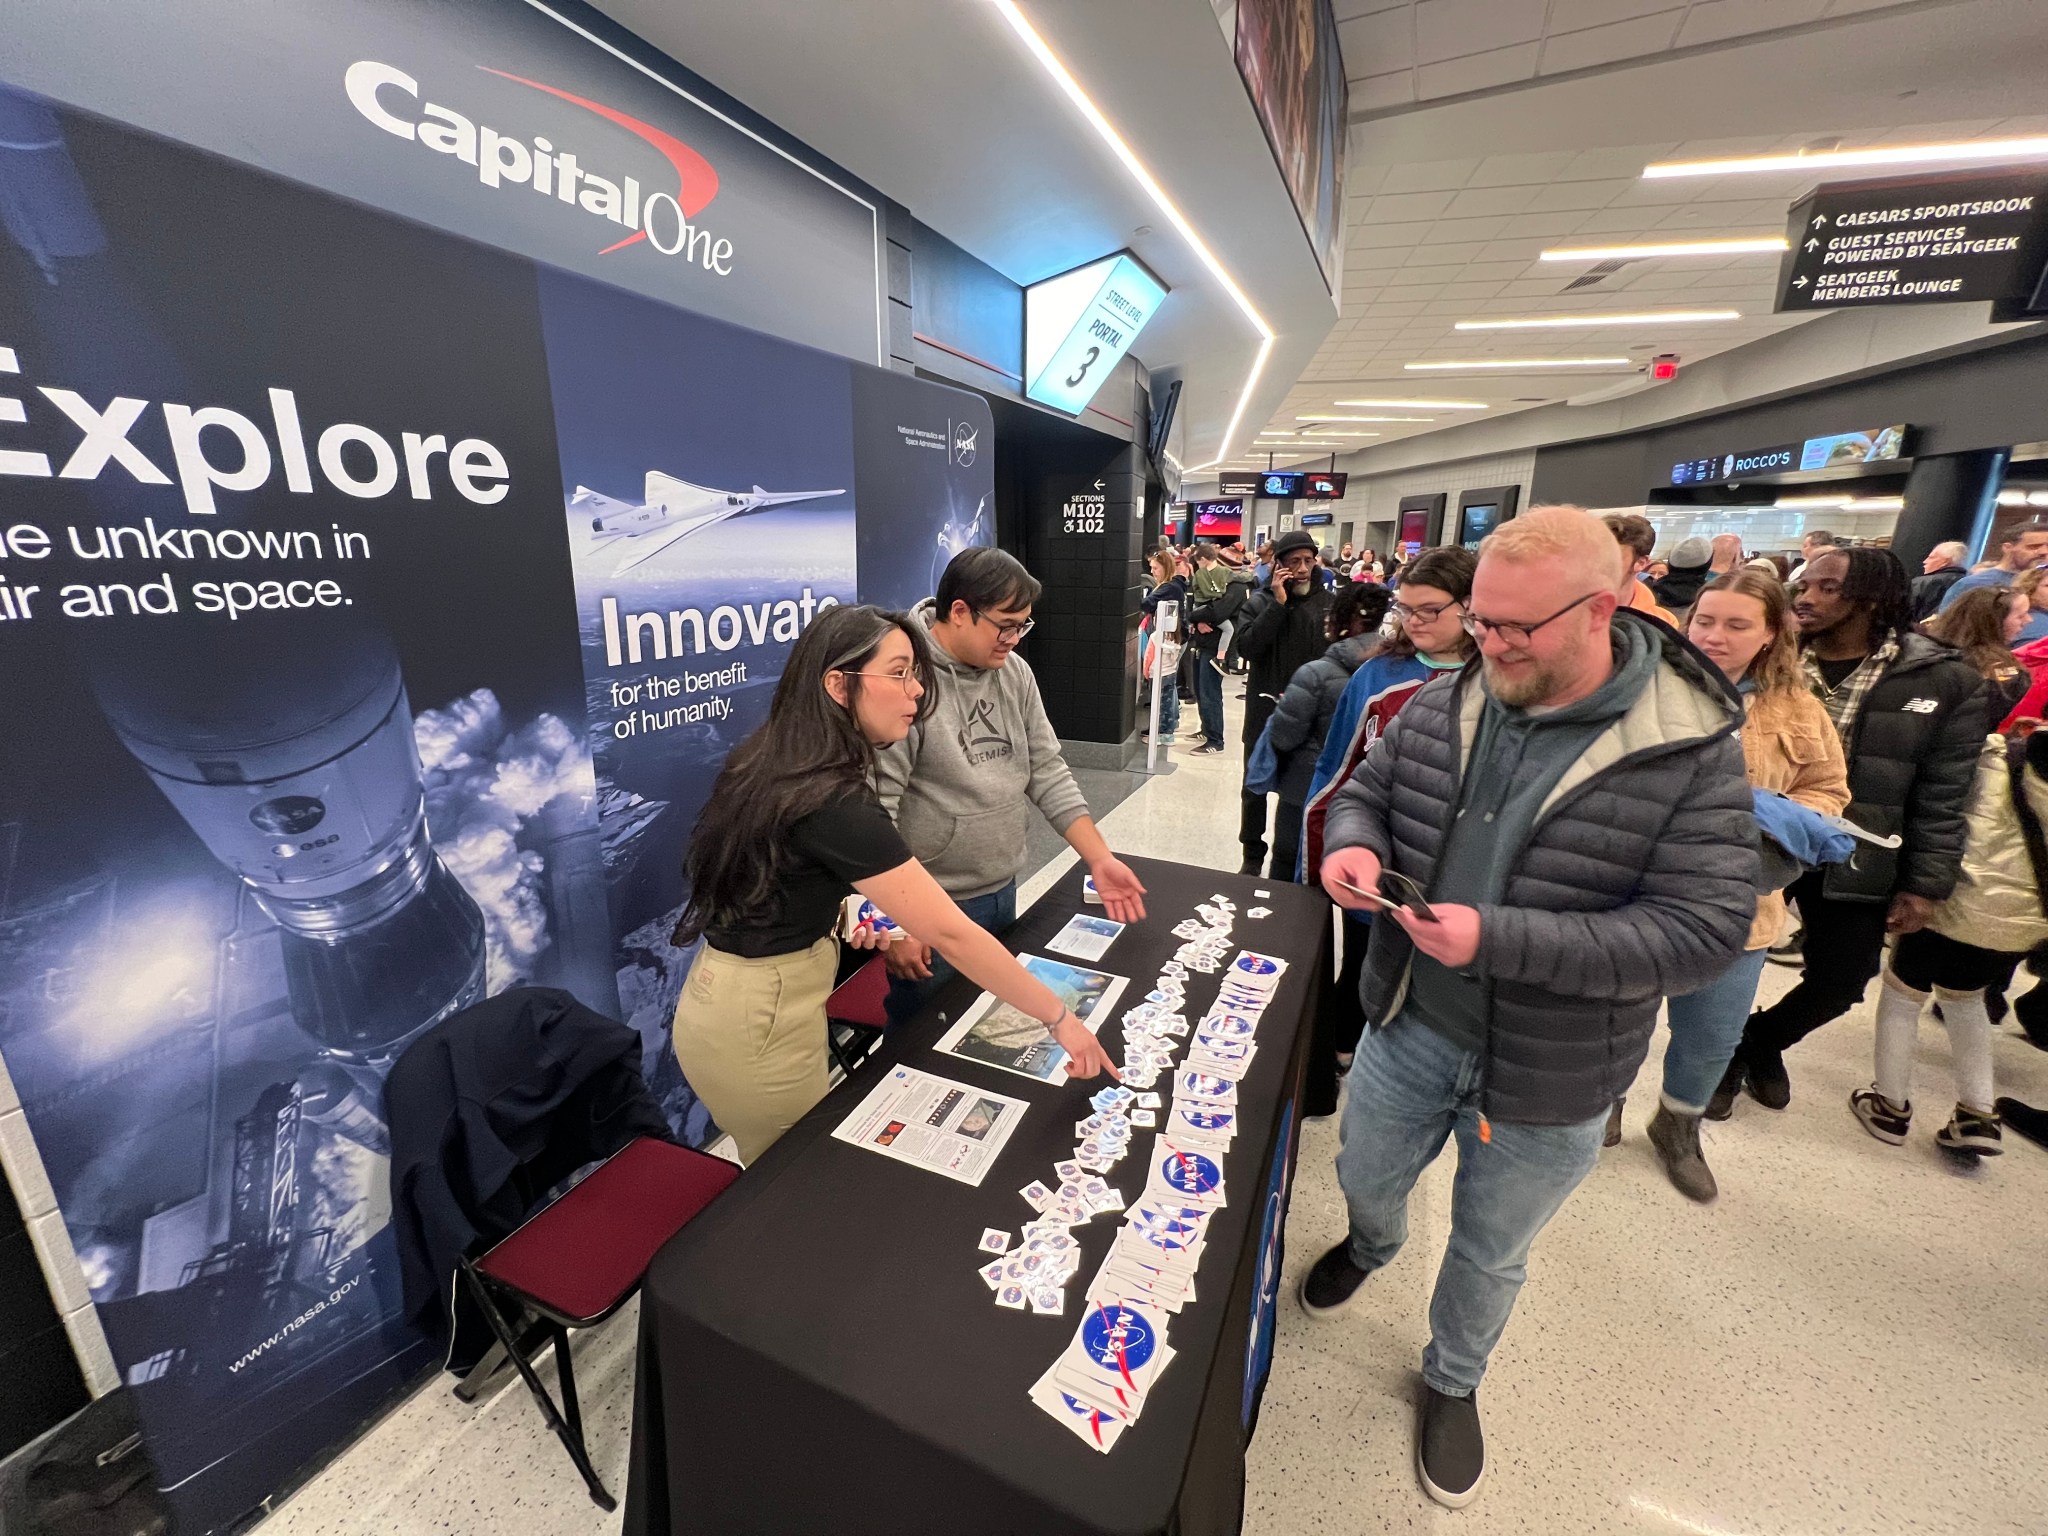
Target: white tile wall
(23,1167)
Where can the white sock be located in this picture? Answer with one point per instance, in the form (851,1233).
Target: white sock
(1969,1044)
(1898,1034)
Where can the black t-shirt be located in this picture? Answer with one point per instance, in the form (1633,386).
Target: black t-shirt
(844,840)
(1837,672)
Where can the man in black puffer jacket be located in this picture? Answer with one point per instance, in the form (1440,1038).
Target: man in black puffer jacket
(1278,630)
(1301,720)
(1912,714)
(1576,813)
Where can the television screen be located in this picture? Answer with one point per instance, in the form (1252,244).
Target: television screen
(1476,522)
(1414,529)
(1329,487)
(1244,484)
(1281,485)
(1219,522)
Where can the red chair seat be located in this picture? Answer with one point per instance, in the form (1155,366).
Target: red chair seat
(582,1256)
(861,998)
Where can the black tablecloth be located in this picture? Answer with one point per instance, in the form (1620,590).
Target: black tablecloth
(819,1354)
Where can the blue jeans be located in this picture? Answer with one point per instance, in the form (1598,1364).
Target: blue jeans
(1169,704)
(1209,699)
(1706,1026)
(997,912)
(1411,1090)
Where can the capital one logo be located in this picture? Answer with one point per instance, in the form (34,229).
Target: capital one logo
(389,98)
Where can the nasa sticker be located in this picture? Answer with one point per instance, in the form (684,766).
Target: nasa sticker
(1207,1085)
(1209,1119)
(1012,1296)
(1190,1173)
(1118,1339)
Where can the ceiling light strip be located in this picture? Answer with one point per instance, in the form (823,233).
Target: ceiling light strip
(1737,247)
(1050,62)
(1342,419)
(1574,322)
(1982,150)
(1421,405)
(1519,364)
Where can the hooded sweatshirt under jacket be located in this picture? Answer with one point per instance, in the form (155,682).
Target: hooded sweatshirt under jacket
(960,785)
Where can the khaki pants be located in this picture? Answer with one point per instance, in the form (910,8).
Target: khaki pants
(750,1035)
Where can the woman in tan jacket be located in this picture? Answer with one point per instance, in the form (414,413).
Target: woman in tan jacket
(1742,622)
(1995,914)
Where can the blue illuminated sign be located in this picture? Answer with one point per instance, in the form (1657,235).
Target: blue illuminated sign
(1078,326)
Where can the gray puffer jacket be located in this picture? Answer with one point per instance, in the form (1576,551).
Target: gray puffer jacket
(1302,718)
(1637,881)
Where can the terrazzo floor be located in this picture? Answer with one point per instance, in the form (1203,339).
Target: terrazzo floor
(1853,1342)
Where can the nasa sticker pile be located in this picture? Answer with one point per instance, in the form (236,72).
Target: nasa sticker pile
(1100,1381)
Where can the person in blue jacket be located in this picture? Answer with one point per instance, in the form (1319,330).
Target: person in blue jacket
(1430,638)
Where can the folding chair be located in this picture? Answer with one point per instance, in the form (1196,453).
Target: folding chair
(576,1261)
(858,1004)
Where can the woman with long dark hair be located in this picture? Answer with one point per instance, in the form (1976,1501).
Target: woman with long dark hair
(791,827)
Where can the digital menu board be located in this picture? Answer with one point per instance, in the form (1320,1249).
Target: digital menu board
(1872,445)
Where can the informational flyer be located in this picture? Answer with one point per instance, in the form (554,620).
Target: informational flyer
(934,1123)
(1085,937)
(994,1033)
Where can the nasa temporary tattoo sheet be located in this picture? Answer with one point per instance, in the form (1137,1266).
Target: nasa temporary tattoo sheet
(934,1123)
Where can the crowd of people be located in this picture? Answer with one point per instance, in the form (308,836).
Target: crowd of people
(1554,792)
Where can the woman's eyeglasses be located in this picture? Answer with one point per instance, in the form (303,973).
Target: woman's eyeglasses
(902,679)
(1428,613)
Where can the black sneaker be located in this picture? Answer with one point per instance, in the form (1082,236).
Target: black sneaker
(1971,1130)
(1450,1448)
(1887,1121)
(1766,1078)
(1332,1283)
(1208,749)
(2024,1118)
(1676,1139)
(1790,950)
(1722,1104)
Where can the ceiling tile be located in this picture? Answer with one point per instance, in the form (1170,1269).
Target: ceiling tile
(1346,9)
(1377,43)
(1476,72)
(1407,207)
(1478,202)
(1367,236)
(1548,226)
(1476,293)
(1609,163)
(1603,45)
(1711,20)
(1577,194)
(1520,170)
(1573,15)
(1850,7)
(1470,229)
(1428,176)
(1496,271)
(1390,90)
(1449,29)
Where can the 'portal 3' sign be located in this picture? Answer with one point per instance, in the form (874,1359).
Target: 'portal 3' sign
(1078,326)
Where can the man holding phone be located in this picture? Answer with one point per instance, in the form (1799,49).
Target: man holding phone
(1558,839)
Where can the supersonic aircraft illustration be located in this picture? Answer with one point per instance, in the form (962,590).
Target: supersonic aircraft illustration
(673,509)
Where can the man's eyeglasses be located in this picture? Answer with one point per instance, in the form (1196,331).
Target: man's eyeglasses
(1518,634)
(1428,613)
(1007,633)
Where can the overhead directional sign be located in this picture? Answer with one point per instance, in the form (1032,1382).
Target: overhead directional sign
(1917,240)
(1078,326)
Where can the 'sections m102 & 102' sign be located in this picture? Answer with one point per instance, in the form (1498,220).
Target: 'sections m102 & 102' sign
(1078,326)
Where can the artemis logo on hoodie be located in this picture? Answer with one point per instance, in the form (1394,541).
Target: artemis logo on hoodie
(981,738)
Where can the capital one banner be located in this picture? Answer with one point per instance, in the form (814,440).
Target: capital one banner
(536,127)
(375,610)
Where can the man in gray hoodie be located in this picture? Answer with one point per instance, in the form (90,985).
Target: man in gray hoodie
(957,786)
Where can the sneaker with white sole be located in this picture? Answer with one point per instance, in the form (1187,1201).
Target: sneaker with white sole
(1332,1283)
(1887,1121)
(1971,1130)
(1450,1448)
